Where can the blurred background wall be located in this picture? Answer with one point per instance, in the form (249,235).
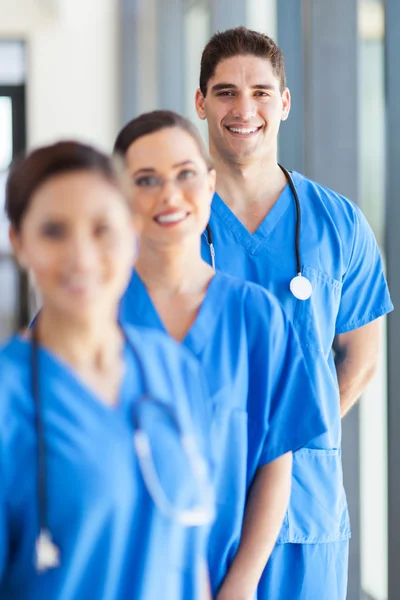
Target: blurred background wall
(81,68)
(71,66)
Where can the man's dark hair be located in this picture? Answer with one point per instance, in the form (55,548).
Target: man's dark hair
(236,42)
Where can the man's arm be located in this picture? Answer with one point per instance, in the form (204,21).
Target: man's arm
(356,359)
(265,509)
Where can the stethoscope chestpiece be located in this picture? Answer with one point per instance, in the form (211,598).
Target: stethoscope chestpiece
(47,553)
(301,287)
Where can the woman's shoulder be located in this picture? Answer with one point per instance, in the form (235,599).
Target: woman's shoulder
(14,374)
(251,295)
(151,344)
(14,356)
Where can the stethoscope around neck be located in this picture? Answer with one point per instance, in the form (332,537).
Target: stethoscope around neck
(300,286)
(200,512)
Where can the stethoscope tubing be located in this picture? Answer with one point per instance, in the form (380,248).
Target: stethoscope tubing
(298,224)
(199,515)
(298,217)
(41,442)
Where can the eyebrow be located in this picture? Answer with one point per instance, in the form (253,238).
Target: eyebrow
(231,86)
(175,166)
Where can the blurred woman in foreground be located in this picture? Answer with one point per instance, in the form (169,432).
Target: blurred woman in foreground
(99,497)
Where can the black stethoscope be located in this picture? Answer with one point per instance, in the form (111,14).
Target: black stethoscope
(47,553)
(300,286)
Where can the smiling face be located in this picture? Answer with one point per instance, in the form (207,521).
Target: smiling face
(244,107)
(172,186)
(76,239)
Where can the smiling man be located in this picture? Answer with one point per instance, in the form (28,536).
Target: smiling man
(315,251)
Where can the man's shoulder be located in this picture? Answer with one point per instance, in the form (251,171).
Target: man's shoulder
(323,194)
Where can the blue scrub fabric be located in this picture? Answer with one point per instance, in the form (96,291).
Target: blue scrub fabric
(260,395)
(317,572)
(115,544)
(341,258)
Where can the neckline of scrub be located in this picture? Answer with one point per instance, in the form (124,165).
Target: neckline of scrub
(252,241)
(203,325)
(64,369)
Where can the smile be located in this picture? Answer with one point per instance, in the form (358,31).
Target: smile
(243,130)
(77,280)
(80,284)
(170,218)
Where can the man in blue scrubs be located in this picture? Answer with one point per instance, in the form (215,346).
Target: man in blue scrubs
(243,96)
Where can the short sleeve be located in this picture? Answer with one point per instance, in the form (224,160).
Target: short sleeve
(365,294)
(280,387)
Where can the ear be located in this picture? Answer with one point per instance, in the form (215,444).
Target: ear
(286,102)
(199,102)
(16,243)
(212,180)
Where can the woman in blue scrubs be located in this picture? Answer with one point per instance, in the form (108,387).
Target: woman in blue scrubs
(99,497)
(261,401)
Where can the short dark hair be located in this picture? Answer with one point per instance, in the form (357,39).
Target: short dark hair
(154,121)
(27,174)
(240,41)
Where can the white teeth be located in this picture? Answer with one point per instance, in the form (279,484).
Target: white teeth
(171,217)
(242,131)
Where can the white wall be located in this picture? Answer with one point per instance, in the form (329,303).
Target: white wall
(72,67)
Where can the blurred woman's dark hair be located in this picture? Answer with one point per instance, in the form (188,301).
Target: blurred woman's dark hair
(27,174)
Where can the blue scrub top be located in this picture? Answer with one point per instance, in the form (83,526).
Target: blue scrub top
(261,398)
(114,542)
(341,258)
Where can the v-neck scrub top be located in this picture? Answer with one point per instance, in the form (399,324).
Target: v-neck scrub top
(262,401)
(114,542)
(341,258)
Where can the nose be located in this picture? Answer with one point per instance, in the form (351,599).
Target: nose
(81,251)
(170,192)
(244,108)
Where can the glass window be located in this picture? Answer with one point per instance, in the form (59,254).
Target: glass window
(5,132)
(262,16)
(12,136)
(8,272)
(373,406)
(6,150)
(147,51)
(12,62)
